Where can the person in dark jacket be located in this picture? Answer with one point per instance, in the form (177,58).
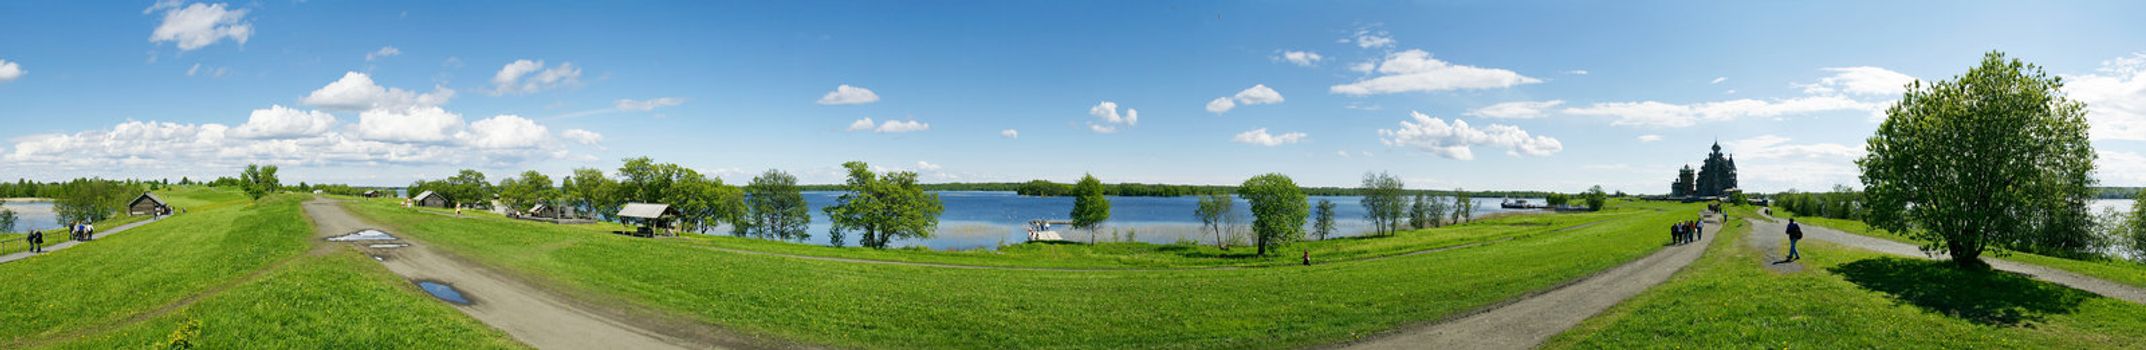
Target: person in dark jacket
(37,241)
(1795,233)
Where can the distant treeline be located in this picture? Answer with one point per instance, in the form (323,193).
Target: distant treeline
(1044,188)
(2117,192)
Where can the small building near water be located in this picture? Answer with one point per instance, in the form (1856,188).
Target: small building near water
(147,204)
(430,199)
(650,218)
(372,193)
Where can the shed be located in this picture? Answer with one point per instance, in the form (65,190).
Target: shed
(548,212)
(651,218)
(430,199)
(372,193)
(147,204)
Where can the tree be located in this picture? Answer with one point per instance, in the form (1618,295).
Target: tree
(1214,212)
(1595,197)
(882,207)
(703,202)
(1323,225)
(778,207)
(1557,199)
(1997,157)
(1090,208)
(1278,210)
(1383,202)
(1463,208)
(528,190)
(258,180)
(592,192)
(467,187)
(2135,227)
(7,218)
(1419,212)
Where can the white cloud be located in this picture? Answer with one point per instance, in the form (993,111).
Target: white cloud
(2120,168)
(1261,137)
(1363,67)
(1649,138)
(1516,109)
(927,166)
(582,136)
(1010,133)
(2115,98)
(890,126)
(276,122)
(1777,147)
(1417,71)
(1301,58)
(1108,112)
(648,104)
(198,25)
(217,72)
(526,76)
(9,71)
(849,95)
(356,91)
(1718,80)
(1454,140)
(418,124)
(1577,72)
(1342,153)
(1869,81)
(133,147)
(1220,104)
(505,131)
(1661,114)
(383,52)
(1369,37)
(1256,95)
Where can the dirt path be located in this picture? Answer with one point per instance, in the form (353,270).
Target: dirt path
(70,244)
(1771,239)
(529,314)
(2077,281)
(1528,321)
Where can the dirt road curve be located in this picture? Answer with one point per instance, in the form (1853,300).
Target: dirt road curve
(2081,282)
(1528,322)
(530,315)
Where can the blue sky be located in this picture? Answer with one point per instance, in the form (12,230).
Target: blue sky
(1554,95)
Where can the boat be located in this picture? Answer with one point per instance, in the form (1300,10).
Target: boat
(1510,203)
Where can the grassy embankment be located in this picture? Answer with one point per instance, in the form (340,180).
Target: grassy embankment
(850,304)
(1846,298)
(56,235)
(238,269)
(2113,270)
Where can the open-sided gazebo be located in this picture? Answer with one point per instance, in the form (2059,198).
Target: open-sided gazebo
(650,219)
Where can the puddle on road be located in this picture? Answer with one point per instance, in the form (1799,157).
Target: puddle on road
(364,235)
(443,292)
(386,245)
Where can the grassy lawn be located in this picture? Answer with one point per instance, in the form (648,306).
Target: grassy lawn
(888,306)
(2113,270)
(252,253)
(15,243)
(1850,298)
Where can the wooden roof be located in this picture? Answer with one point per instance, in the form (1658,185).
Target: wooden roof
(421,196)
(646,210)
(151,197)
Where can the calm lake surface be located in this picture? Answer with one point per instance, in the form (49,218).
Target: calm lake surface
(984,220)
(33,216)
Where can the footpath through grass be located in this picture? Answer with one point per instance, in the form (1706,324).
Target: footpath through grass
(1847,298)
(244,268)
(892,306)
(2113,270)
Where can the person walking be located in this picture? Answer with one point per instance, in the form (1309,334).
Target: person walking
(1795,233)
(89,231)
(37,241)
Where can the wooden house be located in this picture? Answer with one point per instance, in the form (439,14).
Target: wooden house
(430,199)
(147,204)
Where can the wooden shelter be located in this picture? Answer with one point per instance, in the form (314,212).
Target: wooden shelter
(650,219)
(147,204)
(372,194)
(430,199)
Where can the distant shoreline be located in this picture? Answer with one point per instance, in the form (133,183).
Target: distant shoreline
(24,199)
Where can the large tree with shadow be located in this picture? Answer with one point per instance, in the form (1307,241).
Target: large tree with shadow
(1994,158)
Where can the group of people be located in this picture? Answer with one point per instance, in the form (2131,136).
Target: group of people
(81,230)
(1686,232)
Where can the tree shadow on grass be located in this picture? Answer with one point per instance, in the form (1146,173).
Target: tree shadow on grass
(1981,296)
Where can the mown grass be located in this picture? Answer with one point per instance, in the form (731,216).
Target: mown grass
(15,243)
(1845,298)
(892,306)
(266,293)
(342,300)
(2113,270)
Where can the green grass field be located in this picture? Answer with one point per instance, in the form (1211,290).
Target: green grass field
(1846,298)
(54,236)
(2113,270)
(848,304)
(244,266)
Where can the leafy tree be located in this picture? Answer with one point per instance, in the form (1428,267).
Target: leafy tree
(1997,157)
(89,200)
(1090,208)
(1463,208)
(467,188)
(258,180)
(1419,211)
(1278,210)
(1557,199)
(2135,227)
(527,191)
(1214,212)
(1595,197)
(882,207)
(778,207)
(592,192)
(7,218)
(1323,222)
(1383,202)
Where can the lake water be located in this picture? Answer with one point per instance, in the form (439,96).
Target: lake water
(33,216)
(980,219)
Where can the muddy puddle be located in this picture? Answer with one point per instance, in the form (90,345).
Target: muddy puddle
(444,292)
(364,235)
